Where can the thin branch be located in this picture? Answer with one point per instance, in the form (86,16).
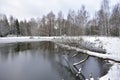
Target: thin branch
(81,61)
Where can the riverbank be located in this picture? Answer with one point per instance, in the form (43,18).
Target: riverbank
(110,44)
(112,47)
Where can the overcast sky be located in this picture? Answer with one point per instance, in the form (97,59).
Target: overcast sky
(25,9)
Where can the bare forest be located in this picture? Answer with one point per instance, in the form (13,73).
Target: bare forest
(105,22)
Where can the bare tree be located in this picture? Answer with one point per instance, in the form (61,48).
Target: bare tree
(115,21)
(43,27)
(103,17)
(60,23)
(92,26)
(33,25)
(70,22)
(82,19)
(4,26)
(51,23)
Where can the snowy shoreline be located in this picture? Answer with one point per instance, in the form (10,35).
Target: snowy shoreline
(24,39)
(111,44)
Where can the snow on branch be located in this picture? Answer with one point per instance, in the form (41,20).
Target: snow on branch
(95,54)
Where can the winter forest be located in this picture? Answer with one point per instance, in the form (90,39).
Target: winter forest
(105,22)
(40,40)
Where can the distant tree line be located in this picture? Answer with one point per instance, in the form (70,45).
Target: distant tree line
(106,22)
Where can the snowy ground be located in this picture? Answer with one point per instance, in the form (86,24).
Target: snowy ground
(111,44)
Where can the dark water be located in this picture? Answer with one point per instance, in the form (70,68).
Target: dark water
(43,61)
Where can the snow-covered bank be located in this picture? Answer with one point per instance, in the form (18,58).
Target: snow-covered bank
(24,39)
(112,47)
(96,54)
(113,73)
(111,44)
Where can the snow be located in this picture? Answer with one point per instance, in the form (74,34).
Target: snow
(112,47)
(110,44)
(96,54)
(113,73)
(24,39)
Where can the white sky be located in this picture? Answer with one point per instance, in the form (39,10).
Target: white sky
(25,9)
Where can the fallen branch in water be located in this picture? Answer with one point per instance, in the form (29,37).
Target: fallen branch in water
(95,54)
(75,55)
(82,61)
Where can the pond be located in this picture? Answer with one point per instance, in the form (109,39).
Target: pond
(44,61)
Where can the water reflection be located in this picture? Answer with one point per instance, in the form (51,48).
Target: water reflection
(43,61)
(32,61)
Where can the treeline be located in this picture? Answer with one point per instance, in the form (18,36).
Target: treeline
(106,22)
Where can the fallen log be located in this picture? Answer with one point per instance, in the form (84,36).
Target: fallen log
(95,54)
